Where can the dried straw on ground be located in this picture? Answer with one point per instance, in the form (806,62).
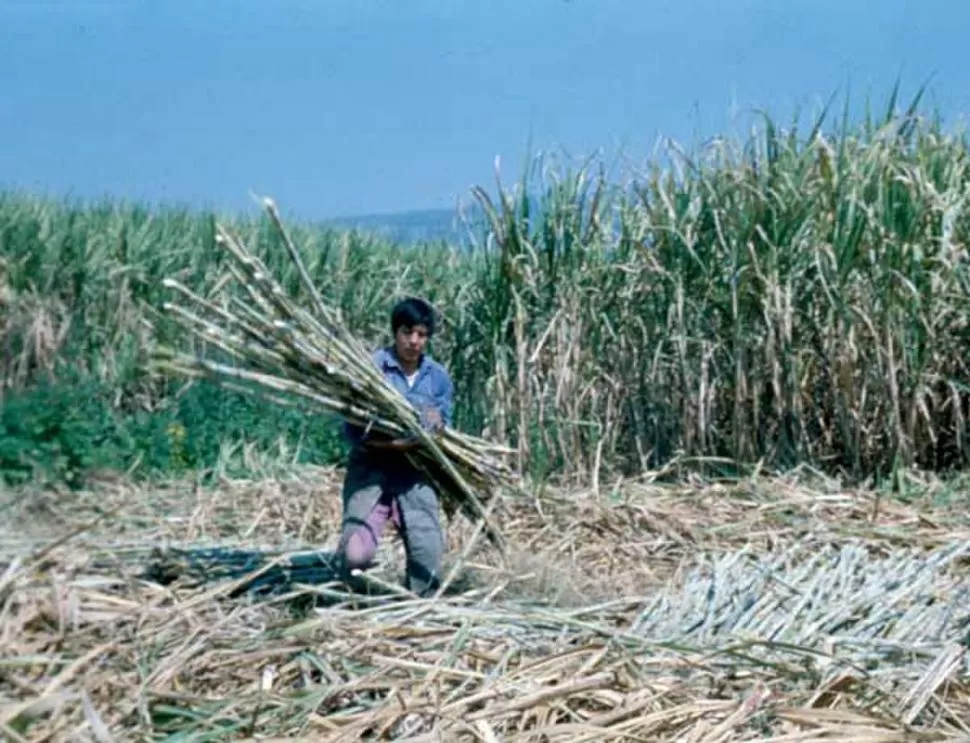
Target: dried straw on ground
(769,613)
(292,355)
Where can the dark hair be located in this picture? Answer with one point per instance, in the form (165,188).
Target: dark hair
(412,311)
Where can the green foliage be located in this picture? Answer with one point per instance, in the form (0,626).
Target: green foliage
(69,429)
(60,431)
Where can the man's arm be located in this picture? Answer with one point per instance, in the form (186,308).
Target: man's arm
(400,445)
(354,434)
(358,437)
(440,416)
(447,399)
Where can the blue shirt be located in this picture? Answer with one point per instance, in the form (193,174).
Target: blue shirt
(432,387)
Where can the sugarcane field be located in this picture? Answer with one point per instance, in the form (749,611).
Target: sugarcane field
(672,451)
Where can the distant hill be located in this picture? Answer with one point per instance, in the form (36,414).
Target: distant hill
(419,225)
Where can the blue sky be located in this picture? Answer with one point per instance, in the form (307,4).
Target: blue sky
(345,107)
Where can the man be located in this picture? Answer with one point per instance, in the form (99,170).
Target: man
(381,484)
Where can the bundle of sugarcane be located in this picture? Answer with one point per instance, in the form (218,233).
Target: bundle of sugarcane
(293,356)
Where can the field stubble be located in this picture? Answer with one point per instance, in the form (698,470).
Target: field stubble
(764,609)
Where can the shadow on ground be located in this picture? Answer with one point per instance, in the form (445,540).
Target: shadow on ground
(263,573)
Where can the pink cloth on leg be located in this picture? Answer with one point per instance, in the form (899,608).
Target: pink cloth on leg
(362,543)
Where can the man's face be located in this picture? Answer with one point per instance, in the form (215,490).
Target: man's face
(410,342)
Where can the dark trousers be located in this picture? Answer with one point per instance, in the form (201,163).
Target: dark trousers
(372,496)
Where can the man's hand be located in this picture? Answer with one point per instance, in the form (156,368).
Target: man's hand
(434,421)
(404,444)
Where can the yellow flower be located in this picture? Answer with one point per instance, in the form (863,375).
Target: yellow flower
(176,435)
